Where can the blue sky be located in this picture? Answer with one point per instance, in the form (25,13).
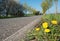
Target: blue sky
(37,5)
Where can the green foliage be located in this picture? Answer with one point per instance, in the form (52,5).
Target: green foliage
(53,35)
(46,4)
(11,7)
(4,17)
(52,16)
(29,8)
(27,15)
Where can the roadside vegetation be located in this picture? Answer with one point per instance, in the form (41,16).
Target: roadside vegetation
(14,9)
(47,30)
(49,26)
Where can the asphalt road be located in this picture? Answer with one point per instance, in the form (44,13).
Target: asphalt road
(10,26)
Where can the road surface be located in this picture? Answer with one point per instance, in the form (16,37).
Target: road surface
(10,26)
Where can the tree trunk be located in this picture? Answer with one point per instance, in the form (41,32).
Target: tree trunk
(44,13)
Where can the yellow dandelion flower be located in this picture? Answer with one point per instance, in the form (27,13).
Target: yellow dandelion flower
(45,25)
(54,22)
(37,29)
(47,30)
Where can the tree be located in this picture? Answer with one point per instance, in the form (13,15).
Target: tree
(44,7)
(50,3)
(12,7)
(17,9)
(26,7)
(46,4)
(37,13)
(2,7)
(30,9)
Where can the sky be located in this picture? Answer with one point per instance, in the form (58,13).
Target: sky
(36,4)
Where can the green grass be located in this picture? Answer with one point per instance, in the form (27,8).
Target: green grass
(52,16)
(5,17)
(29,15)
(53,35)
